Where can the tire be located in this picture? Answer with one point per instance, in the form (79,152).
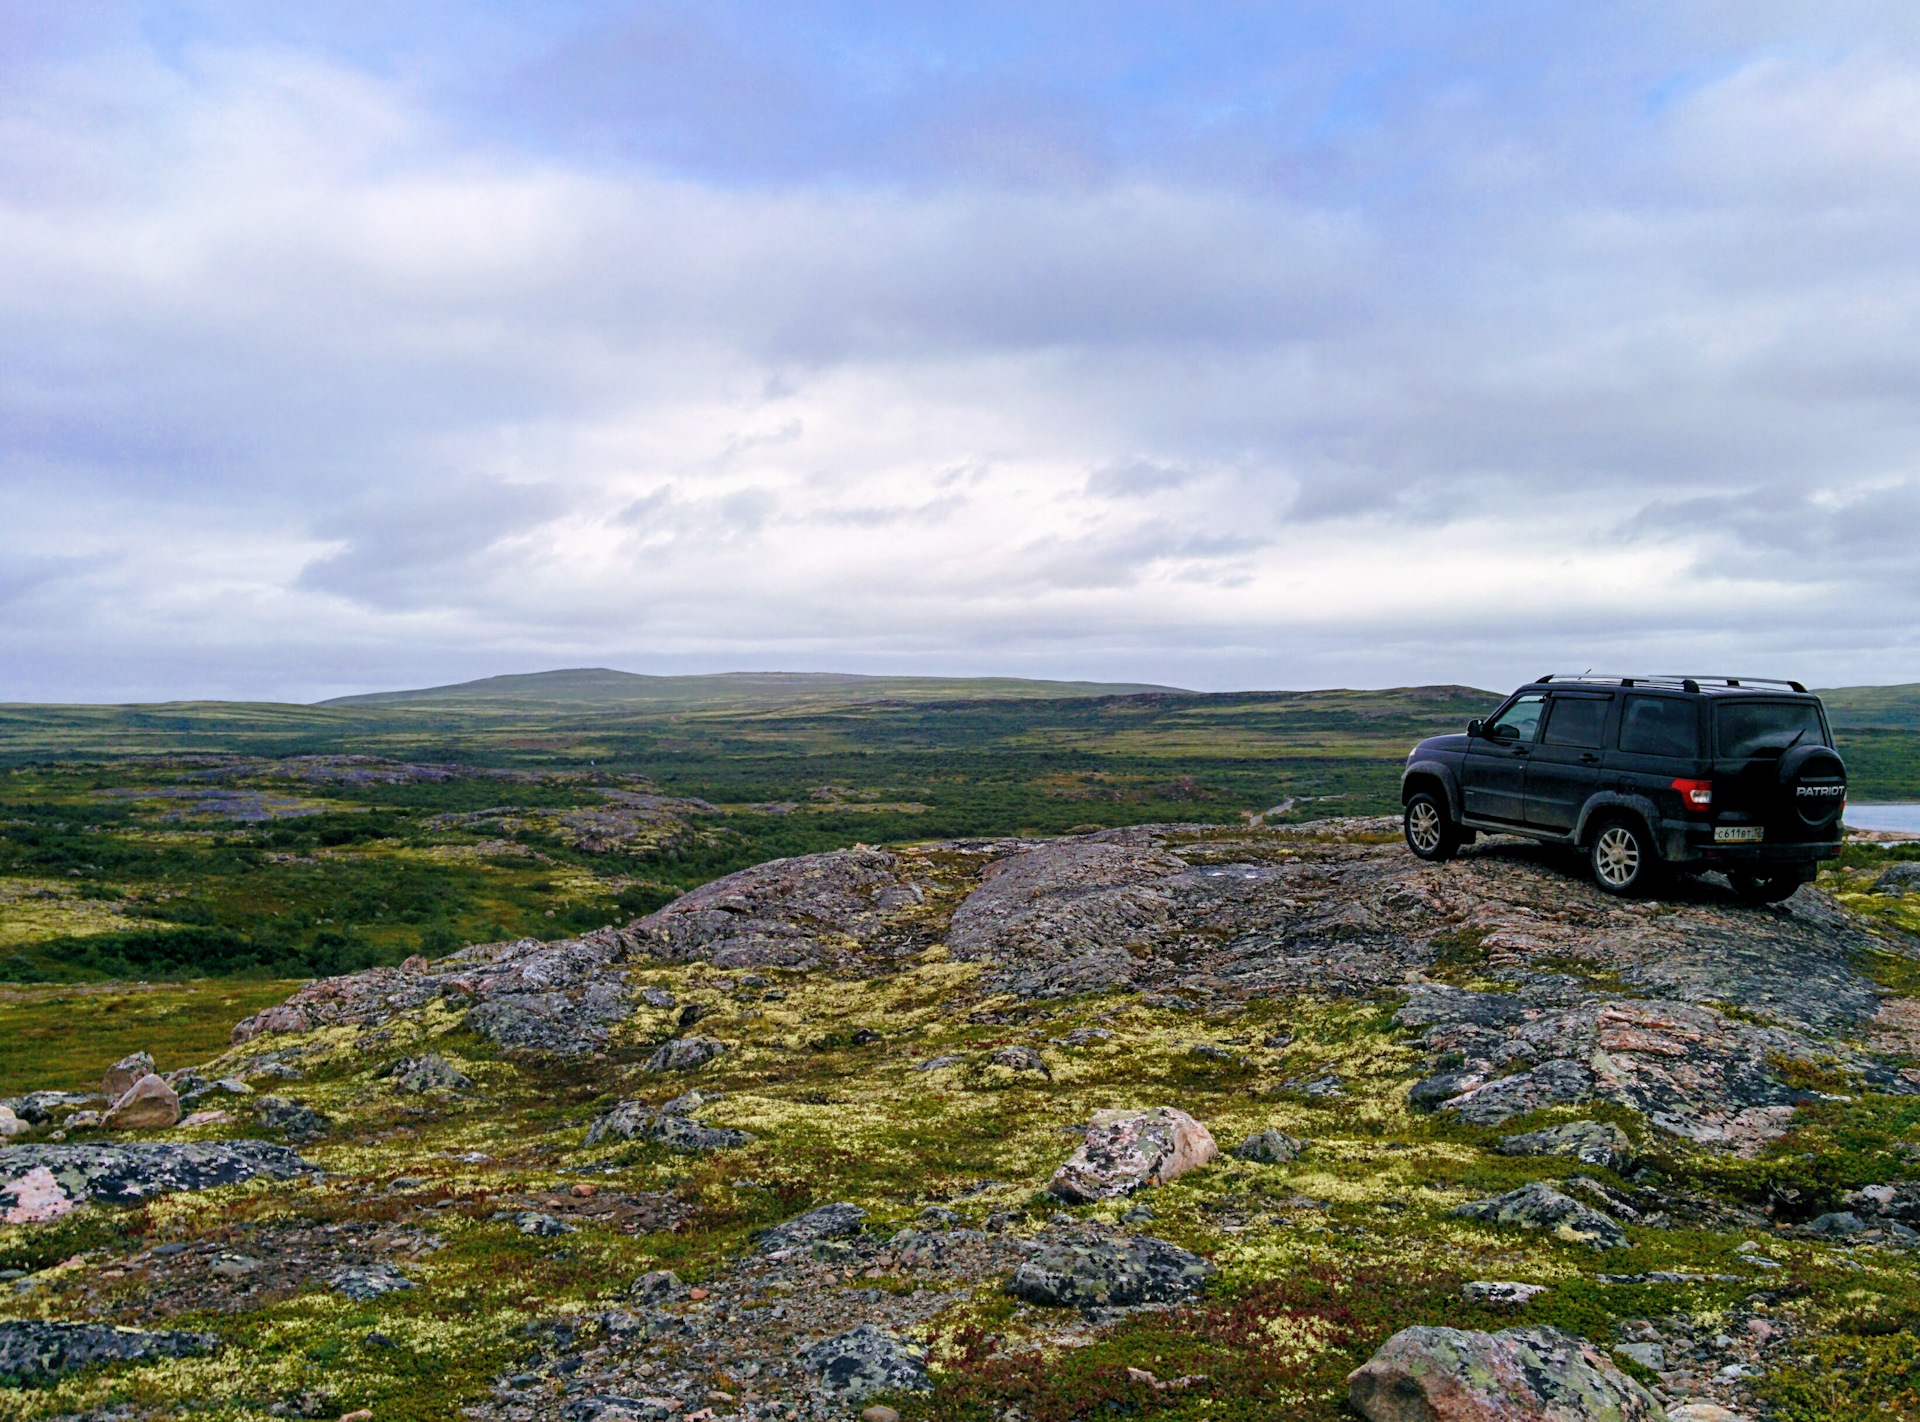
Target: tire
(1751,888)
(1430,830)
(1622,858)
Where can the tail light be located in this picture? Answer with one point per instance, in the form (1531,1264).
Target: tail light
(1695,794)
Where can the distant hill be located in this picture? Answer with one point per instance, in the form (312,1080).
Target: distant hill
(1891,708)
(601,686)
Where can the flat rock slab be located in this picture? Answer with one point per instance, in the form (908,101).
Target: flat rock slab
(127,1174)
(1126,1151)
(1540,1206)
(33,1350)
(863,1361)
(1092,1270)
(1517,1375)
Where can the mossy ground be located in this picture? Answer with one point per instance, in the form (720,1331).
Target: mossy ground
(1319,1260)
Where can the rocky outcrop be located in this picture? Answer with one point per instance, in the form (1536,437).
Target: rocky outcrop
(868,1360)
(427,1072)
(789,913)
(1518,1375)
(562,998)
(1086,1268)
(1125,1151)
(33,1351)
(672,1125)
(127,1174)
(362,1283)
(1540,1206)
(294,1119)
(1270,1148)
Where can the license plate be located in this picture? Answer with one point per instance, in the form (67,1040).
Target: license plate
(1738,834)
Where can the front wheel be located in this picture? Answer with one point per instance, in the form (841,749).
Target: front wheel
(1431,833)
(1623,860)
(1754,888)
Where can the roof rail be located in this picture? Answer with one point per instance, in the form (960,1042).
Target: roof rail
(1679,681)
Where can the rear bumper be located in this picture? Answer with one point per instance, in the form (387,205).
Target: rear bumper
(1693,843)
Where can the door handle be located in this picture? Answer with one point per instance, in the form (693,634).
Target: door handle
(1522,751)
(1589,759)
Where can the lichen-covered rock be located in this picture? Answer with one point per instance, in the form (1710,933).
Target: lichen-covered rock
(1021,1059)
(1501,1293)
(1898,880)
(867,1360)
(362,1282)
(671,1125)
(1517,1375)
(835,1221)
(562,998)
(124,1073)
(127,1174)
(535,1222)
(1270,1148)
(31,1351)
(41,1107)
(428,1072)
(1125,1151)
(148,1105)
(1540,1206)
(1594,1142)
(295,1119)
(685,1054)
(1091,1269)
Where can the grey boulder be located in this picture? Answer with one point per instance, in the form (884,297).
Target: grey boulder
(1517,1375)
(1270,1148)
(1108,1271)
(672,1125)
(428,1072)
(295,1119)
(685,1054)
(835,1221)
(863,1361)
(1540,1206)
(1897,880)
(1593,1142)
(363,1282)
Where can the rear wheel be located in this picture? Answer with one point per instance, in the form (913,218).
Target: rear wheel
(1754,888)
(1623,859)
(1431,833)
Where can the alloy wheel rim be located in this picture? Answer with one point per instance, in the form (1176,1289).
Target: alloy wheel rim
(1423,827)
(1617,858)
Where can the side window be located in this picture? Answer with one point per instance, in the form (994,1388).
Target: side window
(1660,725)
(1577,721)
(1519,721)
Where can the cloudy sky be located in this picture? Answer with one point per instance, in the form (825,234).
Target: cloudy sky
(357,345)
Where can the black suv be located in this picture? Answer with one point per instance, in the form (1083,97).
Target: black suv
(1736,774)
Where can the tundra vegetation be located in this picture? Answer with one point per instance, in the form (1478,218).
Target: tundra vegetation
(504,1170)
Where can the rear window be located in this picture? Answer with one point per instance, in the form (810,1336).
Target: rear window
(1749,728)
(1659,725)
(1577,720)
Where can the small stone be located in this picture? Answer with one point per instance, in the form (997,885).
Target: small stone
(1702,1412)
(10,1124)
(685,1054)
(584,1192)
(1456,1375)
(940,1215)
(1838,1222)
(1270,1148)
(659,999)
(878,1413)
(365,1414)
(1501,1293)
(655,1286)
(148,1105)
(1125,1151)
(540,1225)
(1540,1206)
(207,1118)
(1648,1355)
(124,1073)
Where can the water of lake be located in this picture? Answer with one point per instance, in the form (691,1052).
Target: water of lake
(1901,819)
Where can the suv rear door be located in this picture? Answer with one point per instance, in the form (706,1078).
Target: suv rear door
(1564,768)
(1493,774)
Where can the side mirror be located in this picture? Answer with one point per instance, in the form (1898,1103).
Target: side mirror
(1476,727)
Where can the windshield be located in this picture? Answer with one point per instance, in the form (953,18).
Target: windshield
(1749,728)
